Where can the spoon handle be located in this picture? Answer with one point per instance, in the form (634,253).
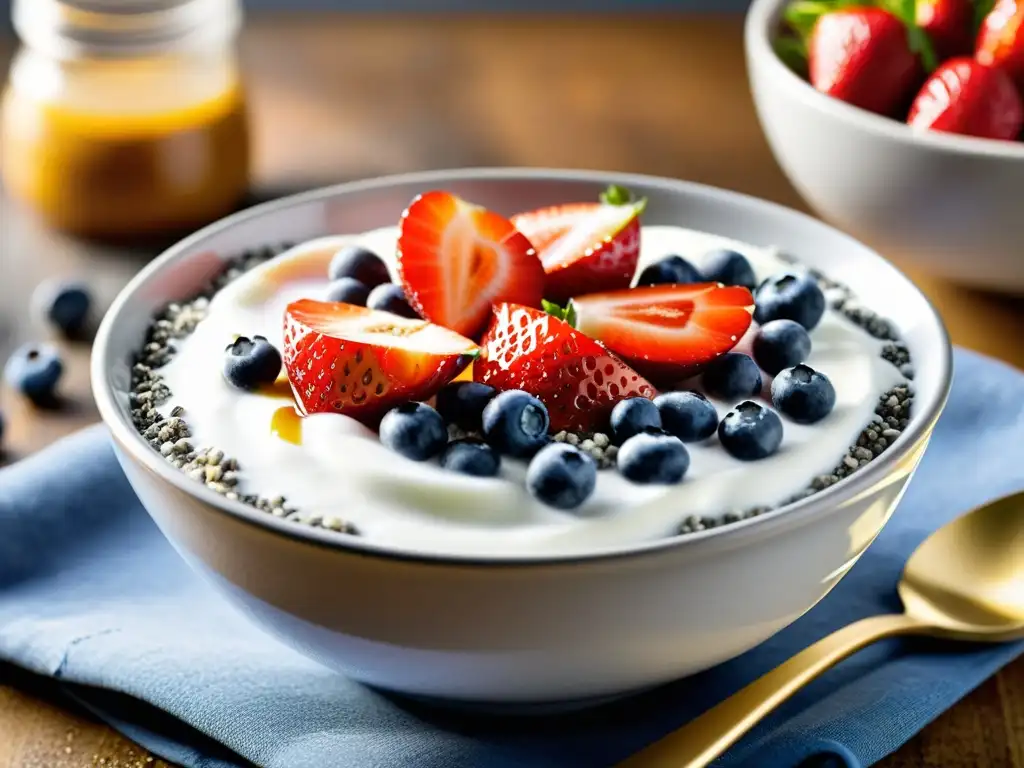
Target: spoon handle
(705,738)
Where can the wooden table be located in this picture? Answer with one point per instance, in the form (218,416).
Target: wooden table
(344,98)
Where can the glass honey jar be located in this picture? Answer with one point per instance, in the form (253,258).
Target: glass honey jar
(125,117)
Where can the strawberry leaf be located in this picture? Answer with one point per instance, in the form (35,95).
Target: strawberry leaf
(566,314)
(793,53)
(802,15)
(616,195)
(982,8)
(920,43)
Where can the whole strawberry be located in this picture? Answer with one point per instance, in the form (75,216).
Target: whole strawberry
(574,376)
(1001,40)
(863,56)
(967,97)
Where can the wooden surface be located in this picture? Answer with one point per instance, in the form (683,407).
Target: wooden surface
(358,97)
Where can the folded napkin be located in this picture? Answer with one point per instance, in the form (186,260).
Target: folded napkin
(94,598)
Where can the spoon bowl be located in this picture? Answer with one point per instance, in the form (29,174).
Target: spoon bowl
(964,582)
(967,578)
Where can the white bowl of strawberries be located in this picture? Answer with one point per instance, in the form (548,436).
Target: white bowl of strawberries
(902,122)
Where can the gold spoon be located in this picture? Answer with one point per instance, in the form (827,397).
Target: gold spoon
(964,582)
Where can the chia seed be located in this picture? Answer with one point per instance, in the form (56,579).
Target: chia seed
(170,436)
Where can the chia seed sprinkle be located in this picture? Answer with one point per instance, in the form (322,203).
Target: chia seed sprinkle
(170,436)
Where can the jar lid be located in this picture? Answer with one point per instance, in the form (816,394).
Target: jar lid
(113,28)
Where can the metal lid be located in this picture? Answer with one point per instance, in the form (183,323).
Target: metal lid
(113,28)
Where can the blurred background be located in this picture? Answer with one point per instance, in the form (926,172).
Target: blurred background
(131,122)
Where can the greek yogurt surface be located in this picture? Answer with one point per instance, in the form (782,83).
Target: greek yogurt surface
(331,465)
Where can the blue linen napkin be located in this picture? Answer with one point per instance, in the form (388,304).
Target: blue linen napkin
(93,597)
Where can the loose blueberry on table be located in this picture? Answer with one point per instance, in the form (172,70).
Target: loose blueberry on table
(65,305)
(34,370)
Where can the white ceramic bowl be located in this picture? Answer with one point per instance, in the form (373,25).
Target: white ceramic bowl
(952,204)
(521,629)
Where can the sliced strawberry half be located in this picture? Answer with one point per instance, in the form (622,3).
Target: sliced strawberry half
(455,259)
(586,247)
(361,362)
(667,331)
(575,377)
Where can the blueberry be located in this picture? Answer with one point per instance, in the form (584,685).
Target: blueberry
(803,394)
(732,376)
(632,416)
(750,432)
(670,270)
(34,370)
(516,423)
(251,363)
(389,297)
(471,457)
(360,263)
(729,267)
(415,430)
(561,476)
(789,296)
(654,459)
(463,403)
(688,415)
(64,305)
(347,290)
(781,344)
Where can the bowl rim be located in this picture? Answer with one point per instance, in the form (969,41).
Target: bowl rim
(761,21)
(128,438)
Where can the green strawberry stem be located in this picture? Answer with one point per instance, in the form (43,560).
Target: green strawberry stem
(616,195)
(920,43)
(566,314)
(800,17)
(982,8)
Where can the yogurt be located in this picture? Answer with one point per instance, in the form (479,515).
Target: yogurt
(331,465)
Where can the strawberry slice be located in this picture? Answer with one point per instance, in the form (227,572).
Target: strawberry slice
(586,247)
(455,259)
(667,332)
(575,377)
(361,362)
(1000,40)
(967,97)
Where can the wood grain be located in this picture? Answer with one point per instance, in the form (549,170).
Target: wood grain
(339,98)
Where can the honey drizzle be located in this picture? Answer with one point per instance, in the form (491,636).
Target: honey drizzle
(286,424)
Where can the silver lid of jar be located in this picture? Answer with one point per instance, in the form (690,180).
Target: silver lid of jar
(125,28)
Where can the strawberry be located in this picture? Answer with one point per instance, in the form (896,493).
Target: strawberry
(965,96)
(455,259)
(863,56)
(949,24)
(361,362)
(667,332)
(1001,40)
(586,247)
(575,377)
